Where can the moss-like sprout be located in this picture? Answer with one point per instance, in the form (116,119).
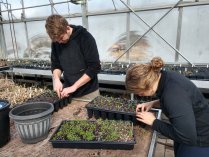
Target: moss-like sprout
(80,130)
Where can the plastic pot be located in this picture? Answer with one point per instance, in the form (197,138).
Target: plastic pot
(32,120)
(4,122)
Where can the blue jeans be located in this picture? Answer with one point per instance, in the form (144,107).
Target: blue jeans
(182,150)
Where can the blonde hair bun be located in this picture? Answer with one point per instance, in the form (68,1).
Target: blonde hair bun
(157,63)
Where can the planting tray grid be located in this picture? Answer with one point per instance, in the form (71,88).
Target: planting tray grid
(91,144)
(59,104)
(110,114)
(98,112)
(4,68)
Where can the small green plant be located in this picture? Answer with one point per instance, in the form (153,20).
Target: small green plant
(80,130)
(116,104)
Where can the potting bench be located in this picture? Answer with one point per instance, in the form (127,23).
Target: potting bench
(145,138)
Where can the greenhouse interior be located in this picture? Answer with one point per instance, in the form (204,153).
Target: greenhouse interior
(104,78)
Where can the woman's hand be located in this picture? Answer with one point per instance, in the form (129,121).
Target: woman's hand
(57,86)
(67,91)
(145,117)
(144,107)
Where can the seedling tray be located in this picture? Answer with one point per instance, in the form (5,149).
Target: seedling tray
(36,67)
(110,114)
(113,115)
(4,68)
(101,112)
(46,97)
(59,104)
(91,144)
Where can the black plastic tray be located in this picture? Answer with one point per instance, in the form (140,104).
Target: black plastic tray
(4,68)
(91,144)
(41,67)
(112,115)
(59,104)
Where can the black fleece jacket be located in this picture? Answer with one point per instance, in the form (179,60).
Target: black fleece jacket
(78,56)
(187,109)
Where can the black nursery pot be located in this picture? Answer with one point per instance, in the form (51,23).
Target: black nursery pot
(4,122)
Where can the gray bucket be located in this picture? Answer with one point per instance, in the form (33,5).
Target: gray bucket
(32,120)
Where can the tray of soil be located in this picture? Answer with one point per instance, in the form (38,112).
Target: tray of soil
(51,97)
(4,68)
(115,69)
(113,108)
(202,73)
(59,104)
(100,134)
(3,65)
(30,64)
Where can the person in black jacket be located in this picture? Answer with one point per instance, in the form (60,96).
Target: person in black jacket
(180,100)
(75,54)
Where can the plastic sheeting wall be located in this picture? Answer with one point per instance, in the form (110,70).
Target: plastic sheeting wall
(110,31)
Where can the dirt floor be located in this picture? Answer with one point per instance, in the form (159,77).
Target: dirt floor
(75,110)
